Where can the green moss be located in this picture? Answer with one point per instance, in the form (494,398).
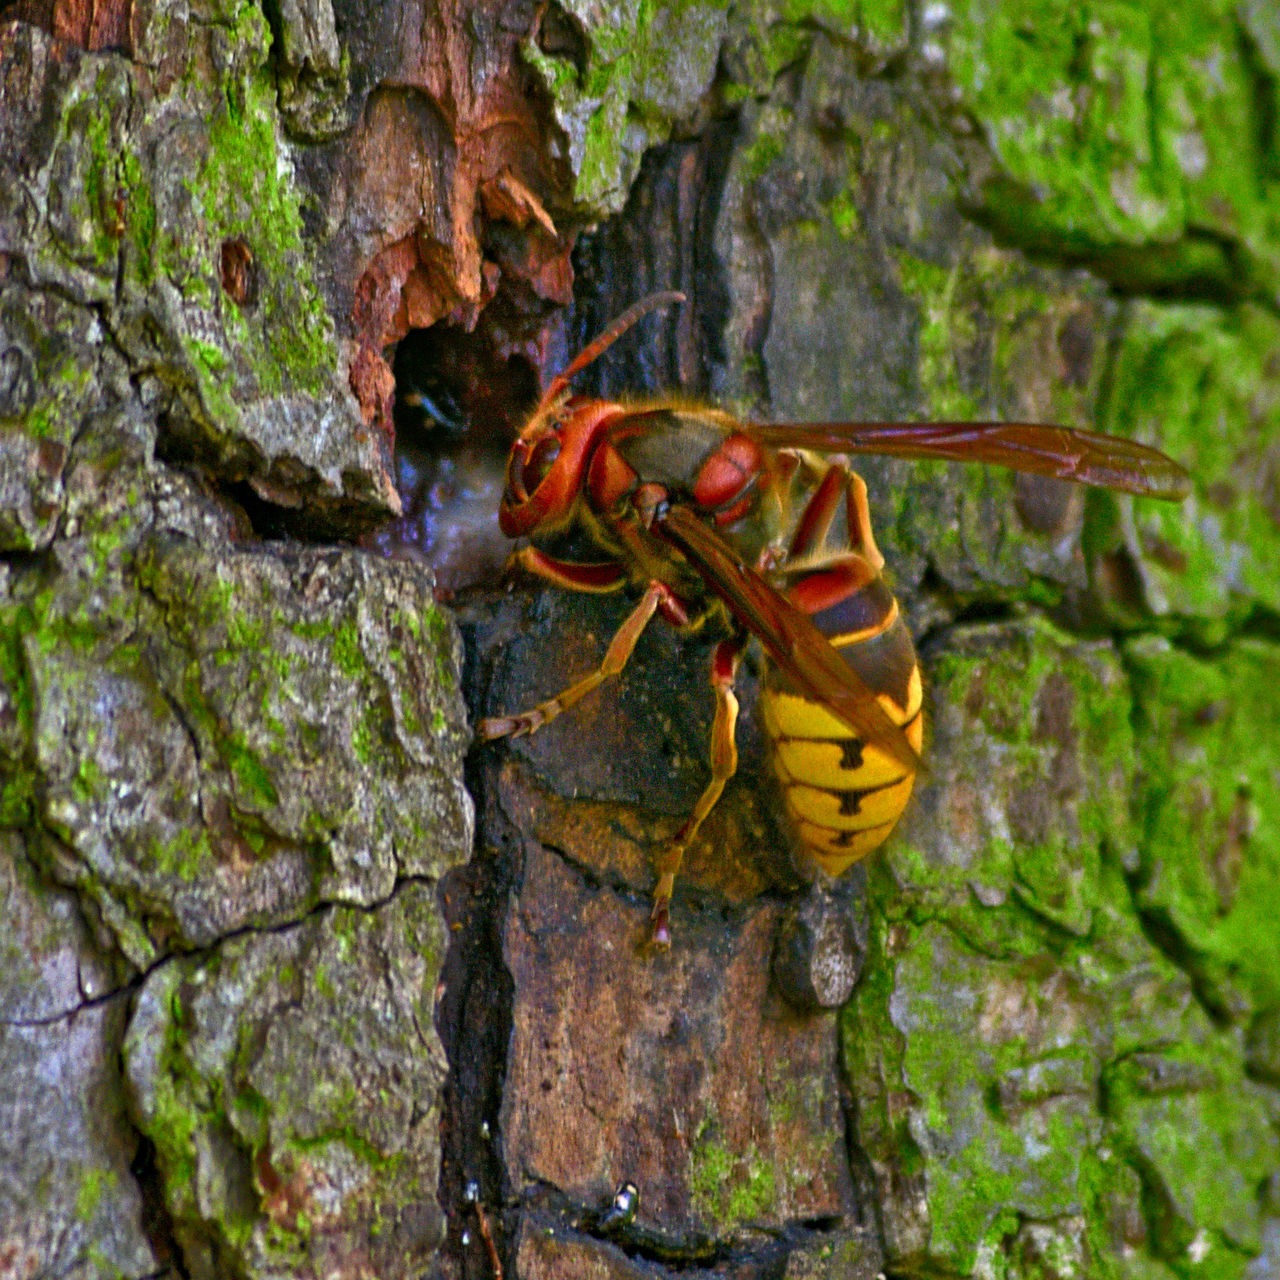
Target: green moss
(17,779)
(1016,1043)
(931,285)
(251,774)
(601,160)
(187,855)
(238,191)
(843,212)
(313,629)
(877,24)
(646,64)
(92,118)
(1123,139)
(1026,711)
(18,797)
(1208,737)
(366,736)
(350,1137)
(989,1164)
(88,781)
(1204,385)
(246,631)
(56,413)
(246,195)
(989,301)
(1199,1135)
(141,227)
(729,1186)
(94,1187)
(759,154)
(280,666)
(114,208)
(1010,985)
(409,721)
(212,358)
(323,983)
(347,655)
(437,637)
(175,1114)
(884,24)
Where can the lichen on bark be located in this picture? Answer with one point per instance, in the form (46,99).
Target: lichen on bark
(205,735)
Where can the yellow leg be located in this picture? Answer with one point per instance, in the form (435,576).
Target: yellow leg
(861,539)
(724,764)
(620,649)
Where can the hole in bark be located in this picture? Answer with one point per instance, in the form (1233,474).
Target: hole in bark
(460,400)
(266,520)
(561,36)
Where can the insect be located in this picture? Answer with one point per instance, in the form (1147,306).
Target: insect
(753,530)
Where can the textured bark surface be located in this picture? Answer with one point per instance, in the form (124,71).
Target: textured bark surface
(276,286)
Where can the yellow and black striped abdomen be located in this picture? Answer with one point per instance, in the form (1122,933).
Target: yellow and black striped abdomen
(844,795)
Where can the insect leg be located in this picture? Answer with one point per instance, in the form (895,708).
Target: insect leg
(599,576)
(724,764)
(815,520)
(615,658)
(861,539)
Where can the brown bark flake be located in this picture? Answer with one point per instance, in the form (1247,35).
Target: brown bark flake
(94,25)
(451,144)
(680,1074)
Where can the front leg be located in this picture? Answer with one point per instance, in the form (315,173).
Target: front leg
(597,577)
(724,764)
(620,649)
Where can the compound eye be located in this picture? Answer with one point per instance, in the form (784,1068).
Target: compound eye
(539,462)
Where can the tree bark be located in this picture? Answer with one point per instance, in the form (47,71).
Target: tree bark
(298,985)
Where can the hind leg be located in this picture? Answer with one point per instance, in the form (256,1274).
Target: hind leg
(724,764)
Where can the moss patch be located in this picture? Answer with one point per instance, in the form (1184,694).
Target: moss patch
(1131,142)
(1204,385)
(1208,738)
